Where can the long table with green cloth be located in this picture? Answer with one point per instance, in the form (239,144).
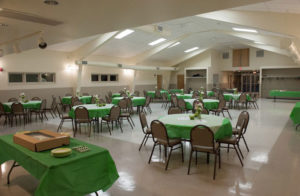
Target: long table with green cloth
(94,110)
(76,175)
(231,96)
(136,101)
(209,93)
(180,125)
(116,95)
(152,93)
(181,96)
(28,105)
(176,91)
(295,114)
(209,104)
(284,93)
(83,99)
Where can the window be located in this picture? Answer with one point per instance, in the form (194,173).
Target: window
(15,77)
(104,77)
(47,77)
(95,78)
(32,77)
(113,78)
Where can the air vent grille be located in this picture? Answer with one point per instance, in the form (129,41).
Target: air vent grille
(225,55)
(260,53)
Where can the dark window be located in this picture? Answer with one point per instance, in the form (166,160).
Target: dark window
(104,78)
(32,77)
(15,77)
(95,77)
(47,77)
(113,77)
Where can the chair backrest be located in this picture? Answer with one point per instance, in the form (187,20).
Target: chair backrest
(68,94)
(174,100)
(109,94)
(17,108)
(12,99)
(73,100)
(244,116)
(195,103)
(114,113)
(143,121)
(108,100)
(221,96)
(159,132)
(54,103)
(174,110)
(123,104)
(181,104)
(157,93)
(137,93)
(222,103)
(101,101)
(202,136)
(43,104)
(93,100)
(243,97)
(77,103)
(36,99)
(85,94)
(148,101)
(81,113)
(145,93)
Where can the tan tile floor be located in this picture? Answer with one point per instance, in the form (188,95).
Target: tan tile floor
(272,167)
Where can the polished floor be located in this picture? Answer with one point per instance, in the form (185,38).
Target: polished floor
(271,168)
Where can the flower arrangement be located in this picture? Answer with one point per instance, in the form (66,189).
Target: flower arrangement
(197,112)
(235,91)
(182,92)
(22,97)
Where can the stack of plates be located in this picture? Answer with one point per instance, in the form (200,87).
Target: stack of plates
(61,152)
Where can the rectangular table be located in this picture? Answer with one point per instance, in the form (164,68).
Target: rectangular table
(295,115)
(76,175)
(284,93)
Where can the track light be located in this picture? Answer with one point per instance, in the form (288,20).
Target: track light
(42,43)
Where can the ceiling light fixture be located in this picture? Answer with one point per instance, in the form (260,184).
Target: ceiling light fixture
(157,41)
(177,43)
(191,49)
(124,33)
(50,2)
(42,44)
(258,42)
(244,30)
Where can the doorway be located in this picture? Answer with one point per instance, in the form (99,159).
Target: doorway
(180,81)
(159,81)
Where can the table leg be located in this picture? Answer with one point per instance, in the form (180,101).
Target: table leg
(12,167)
(297,126)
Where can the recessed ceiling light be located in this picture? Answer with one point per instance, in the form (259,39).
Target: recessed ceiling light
(177,43)
(124,33)
(191,49)
(157,41)
(244,30)
(258,42)
(50,2)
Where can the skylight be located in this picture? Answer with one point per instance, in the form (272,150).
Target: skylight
(177,43)
(244,30)
(124,33)
(191,49)
(157,41)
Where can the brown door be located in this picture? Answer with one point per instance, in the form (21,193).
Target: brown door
(159,81)
(180,81)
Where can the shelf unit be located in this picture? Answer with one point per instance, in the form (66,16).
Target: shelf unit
(195,77)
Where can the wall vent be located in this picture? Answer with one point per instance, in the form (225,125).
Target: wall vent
(225,55)
(260,53)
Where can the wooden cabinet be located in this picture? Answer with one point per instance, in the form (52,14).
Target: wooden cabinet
(240,58)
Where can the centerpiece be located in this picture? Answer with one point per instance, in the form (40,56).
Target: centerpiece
(182,92)
(22,97)
(197,113)
(235,91)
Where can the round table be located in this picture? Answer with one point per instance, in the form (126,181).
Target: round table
(116,95)
(94,110)
(209,104)
(152,93)
(28,105)
(180,125)
(228,96)
(83,99)
(136,101)
(181,96)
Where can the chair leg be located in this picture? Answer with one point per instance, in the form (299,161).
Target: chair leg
(182,155)
(142,142)
(151,153)
(219,158)
(148,135)
(238,146)
(169,158)
(108,127)
(120,126)
(245,142)
(238,155)
(191,153)
(229,115)
(207,157)
(60,124)
(215,165)
(131,120)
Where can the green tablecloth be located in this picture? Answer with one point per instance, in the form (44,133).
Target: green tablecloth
(152,93)
(76,175)
(283,93)
(180,96)
(208,103)
(176,91)
(83,99)
(180,125)
(94,110)
(116,95)
(209,93)
(295,114)
(228,96)
(136,101)
(29,105)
